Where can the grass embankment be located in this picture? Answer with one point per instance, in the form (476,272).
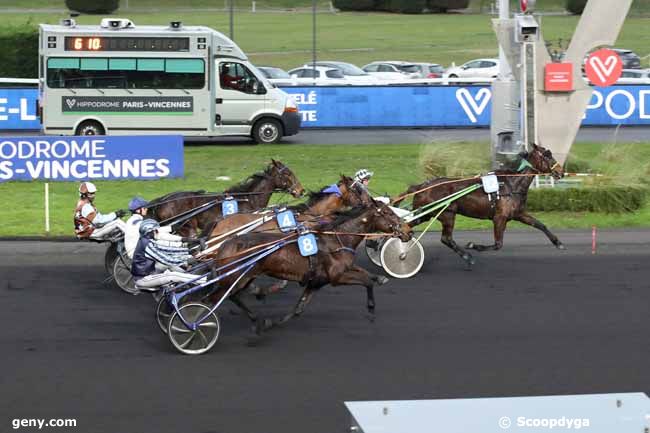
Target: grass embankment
(285,39)
(395,167)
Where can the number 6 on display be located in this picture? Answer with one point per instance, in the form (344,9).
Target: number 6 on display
(307,245)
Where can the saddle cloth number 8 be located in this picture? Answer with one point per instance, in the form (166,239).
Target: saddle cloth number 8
(307,245)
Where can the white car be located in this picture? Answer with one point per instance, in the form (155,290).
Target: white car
(318,76)
(393,70)
(276,76)
(353,74)
(479,68)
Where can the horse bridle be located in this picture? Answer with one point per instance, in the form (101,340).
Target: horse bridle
(292,186)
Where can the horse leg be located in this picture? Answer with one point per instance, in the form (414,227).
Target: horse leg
(534,222)
(499,229)
(236,299)
(304,300)
(360,277)
(447,219)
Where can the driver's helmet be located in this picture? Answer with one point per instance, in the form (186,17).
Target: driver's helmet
(86,188)
(147,226)
(137,203)
(362,175)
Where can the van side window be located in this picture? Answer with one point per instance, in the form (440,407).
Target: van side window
(235,76)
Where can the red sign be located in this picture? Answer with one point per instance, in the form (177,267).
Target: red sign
(524,5)
(558,77)
(604,67)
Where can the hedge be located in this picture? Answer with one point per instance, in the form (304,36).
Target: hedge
(407,6)
(19,51)
(355,5)
(400,6)
(97,7)
(576,6)
(588,199)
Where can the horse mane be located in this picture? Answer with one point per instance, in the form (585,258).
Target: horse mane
(343,216)
(173,195)
(247,184)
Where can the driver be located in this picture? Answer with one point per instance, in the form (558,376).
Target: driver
(138,208)
(362,177)
(88,221)
(155,265)
(229,81)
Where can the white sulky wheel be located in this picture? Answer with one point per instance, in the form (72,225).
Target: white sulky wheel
(109,258)
(164,312)
(122,275)
(402,259)
(373,250)
(193,342)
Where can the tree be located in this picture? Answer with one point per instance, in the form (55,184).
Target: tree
(96,7)
(576,6)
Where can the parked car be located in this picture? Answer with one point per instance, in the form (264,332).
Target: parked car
(318,76)
(630,59)
(430,70)
(479,68)
(393,70)
(276,76)
(354,74)
(634,76)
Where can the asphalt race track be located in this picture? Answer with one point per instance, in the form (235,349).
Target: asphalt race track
(528,320)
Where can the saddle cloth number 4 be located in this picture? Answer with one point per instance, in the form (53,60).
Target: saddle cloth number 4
(229,207)
(307,245)
(286,221)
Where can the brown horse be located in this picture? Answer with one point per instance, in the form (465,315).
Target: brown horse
(320,204)
(332,264)
(254,193)
(510,205)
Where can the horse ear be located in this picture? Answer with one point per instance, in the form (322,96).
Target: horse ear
(274,162)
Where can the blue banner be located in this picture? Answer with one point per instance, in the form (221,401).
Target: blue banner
(91,157)
(390,106)
(18,109)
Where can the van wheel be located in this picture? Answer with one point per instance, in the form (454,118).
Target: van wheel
(453,76)
(267,131)
(90,127)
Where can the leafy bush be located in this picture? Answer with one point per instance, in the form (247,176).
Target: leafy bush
(407,6)
(576,6)
(355,5)
(19,51)
(603,199)
(444,5)
(97,7)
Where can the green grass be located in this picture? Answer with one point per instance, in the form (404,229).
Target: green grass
(395,166)
(284,39)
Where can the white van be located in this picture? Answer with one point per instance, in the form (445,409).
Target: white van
(119,78)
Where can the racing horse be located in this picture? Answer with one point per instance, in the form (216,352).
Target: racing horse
(319,204)
(332,264)
(510,204)
(253,193)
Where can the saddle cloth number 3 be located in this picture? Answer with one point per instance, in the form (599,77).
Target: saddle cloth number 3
(307,245)
(229,207)
(286,221)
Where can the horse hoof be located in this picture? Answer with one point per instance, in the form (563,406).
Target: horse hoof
(560,246)
(470,245)
(381,280)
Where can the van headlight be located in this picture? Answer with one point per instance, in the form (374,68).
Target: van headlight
(290,106)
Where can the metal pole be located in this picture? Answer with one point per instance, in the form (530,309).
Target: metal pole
(47,208)
(504,14)
(313,48)
(232,20)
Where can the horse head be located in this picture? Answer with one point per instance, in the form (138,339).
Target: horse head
(383,219)
(352,194)
(284,179)
(542,160)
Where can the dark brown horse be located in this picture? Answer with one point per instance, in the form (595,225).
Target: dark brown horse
(510,205)
(254,193)
(320,204)
(333,264)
